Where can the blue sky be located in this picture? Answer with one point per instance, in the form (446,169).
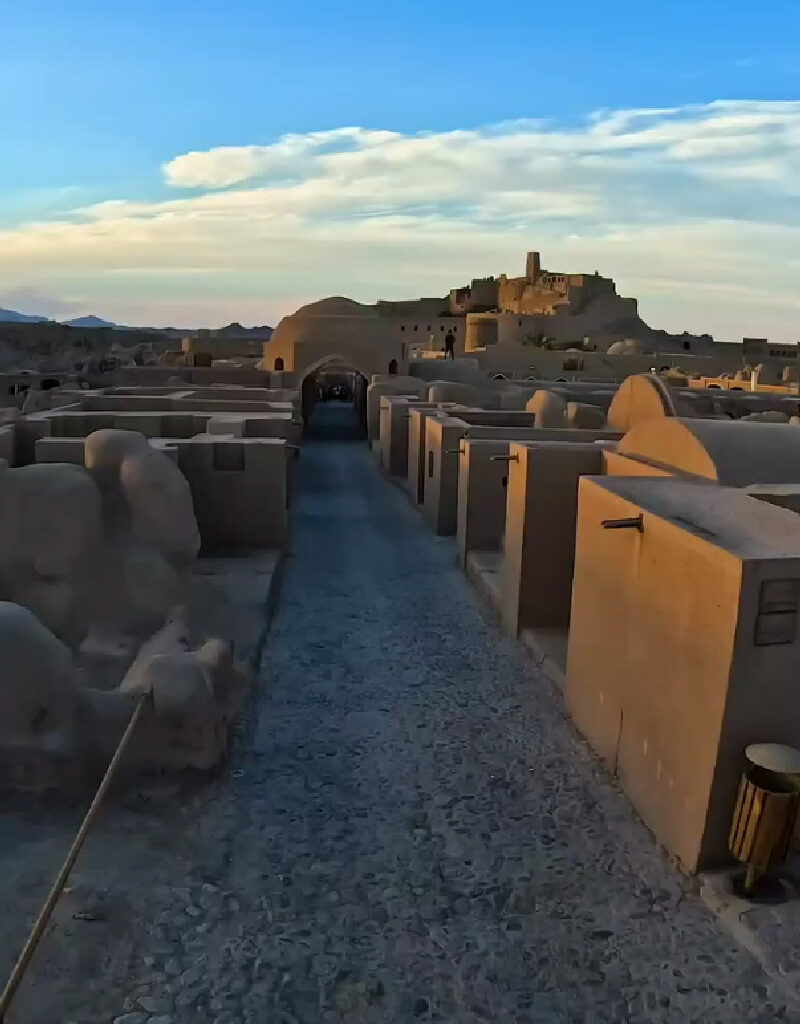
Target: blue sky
(119,103)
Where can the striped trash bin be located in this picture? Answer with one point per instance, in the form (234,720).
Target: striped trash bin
(766,808)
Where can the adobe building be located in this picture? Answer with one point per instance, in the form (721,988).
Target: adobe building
(542,292)
(582,313)
(142,531)
(443,447)
(503,496)
(551,526)
(334,329)
(683,645)
(234,445)
(544,325)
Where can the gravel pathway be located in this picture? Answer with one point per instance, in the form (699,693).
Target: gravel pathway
(411,830)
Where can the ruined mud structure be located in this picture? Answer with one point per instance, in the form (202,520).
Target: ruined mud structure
(379,810)
(114,505)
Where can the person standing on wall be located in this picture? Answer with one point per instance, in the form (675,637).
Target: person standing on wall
(449,345)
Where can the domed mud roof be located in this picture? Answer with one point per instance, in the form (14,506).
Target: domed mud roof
(335,305)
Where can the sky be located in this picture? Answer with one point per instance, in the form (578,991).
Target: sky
(191,164)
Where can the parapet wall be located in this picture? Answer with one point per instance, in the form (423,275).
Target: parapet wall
(239,489)
(673,624)
(145,376)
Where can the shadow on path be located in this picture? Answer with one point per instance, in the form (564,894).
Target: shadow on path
(334,421)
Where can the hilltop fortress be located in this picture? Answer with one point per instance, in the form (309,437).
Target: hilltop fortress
(544,324)
(538,292)
(567,309)
(572,303)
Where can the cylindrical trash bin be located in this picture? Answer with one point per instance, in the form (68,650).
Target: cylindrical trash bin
(766,808)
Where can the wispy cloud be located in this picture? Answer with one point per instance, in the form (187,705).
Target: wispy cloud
(694,209)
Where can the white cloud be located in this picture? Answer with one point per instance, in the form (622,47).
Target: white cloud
(692,209)
(230,165)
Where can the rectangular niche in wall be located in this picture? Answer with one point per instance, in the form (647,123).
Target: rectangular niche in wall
(229,458)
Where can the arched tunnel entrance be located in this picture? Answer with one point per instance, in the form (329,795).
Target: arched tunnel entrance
(334,402)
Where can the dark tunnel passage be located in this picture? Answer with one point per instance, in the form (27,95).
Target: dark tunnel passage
(334,403)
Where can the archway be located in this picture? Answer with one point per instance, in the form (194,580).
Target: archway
(334,399)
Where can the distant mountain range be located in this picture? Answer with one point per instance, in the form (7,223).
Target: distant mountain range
(232,330)
(89,321)
(11,316)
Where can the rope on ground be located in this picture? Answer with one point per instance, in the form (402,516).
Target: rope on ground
(45,913)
